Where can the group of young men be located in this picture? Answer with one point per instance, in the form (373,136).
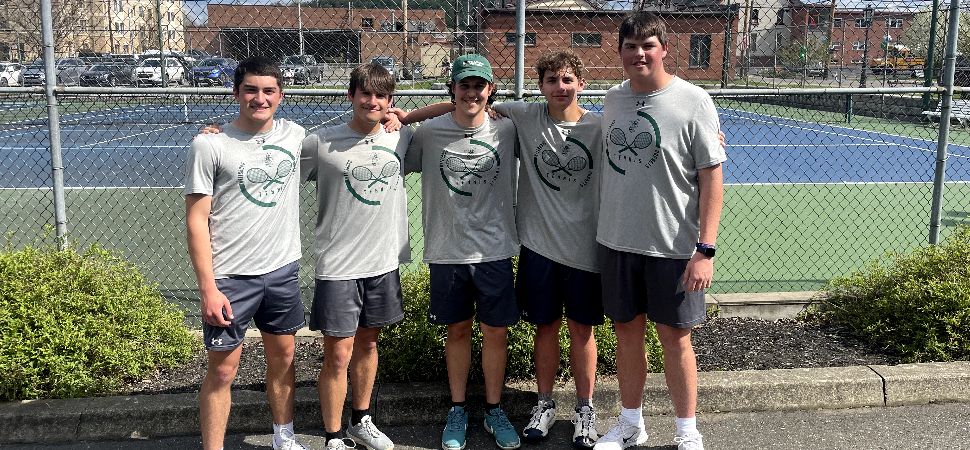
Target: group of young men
(613,214)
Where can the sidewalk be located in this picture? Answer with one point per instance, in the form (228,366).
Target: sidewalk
(399,404)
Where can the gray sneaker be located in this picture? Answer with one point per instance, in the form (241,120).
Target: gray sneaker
(286,440)
(369,436)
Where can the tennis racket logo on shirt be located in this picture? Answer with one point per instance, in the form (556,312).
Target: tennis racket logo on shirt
(571,165)
(371,176)
(363,173)
(623,153)
(263,178)
(470,166)
(259,175)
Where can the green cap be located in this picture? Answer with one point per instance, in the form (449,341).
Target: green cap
(471,66)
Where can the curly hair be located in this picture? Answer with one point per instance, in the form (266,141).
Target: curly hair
(558,60)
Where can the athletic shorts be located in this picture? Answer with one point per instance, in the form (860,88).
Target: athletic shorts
(342,306)
(271,300)
(544,287)
(462,291)
(635,284)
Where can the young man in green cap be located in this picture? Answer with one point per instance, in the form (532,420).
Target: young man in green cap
(467,165)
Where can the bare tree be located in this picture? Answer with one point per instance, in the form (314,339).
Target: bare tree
(24,17)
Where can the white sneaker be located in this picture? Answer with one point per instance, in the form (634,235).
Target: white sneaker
(624,434)
(341,444)
(286,440)
(690,442)
(584,431)
(543,417)
(367,434)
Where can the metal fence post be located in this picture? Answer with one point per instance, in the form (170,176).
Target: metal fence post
(519,48)
(53,124)
(944,136)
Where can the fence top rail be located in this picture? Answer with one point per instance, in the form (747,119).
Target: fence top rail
(76,90)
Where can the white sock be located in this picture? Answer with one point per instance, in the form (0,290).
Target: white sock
(632,415)
(277,429)
(686,427)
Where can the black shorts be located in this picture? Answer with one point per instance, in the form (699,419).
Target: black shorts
(635,284)
(271,300)
(544,287)
(342,306)
(462,291)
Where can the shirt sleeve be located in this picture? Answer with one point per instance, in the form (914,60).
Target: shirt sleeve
(200,167)
(308,156)
(412,158)
(705,145)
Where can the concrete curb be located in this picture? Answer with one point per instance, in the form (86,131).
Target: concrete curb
(118,418)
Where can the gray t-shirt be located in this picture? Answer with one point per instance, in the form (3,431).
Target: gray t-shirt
(655,143)
(467,177)
(362,227)
(557,204)
(254,181)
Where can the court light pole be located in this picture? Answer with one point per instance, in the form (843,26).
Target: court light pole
(866,22)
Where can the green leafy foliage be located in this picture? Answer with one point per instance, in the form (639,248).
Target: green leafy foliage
(916,304)
(75,324)
(413,350)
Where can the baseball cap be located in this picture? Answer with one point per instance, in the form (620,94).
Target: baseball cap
(471,66)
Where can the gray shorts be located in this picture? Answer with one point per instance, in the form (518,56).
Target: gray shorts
(342,306)
(271,300)
(462,291)
(635,284)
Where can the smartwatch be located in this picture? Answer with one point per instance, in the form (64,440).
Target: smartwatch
(707,250)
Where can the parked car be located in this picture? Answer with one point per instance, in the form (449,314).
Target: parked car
(149,72)
(107,75)
(198,54)
(389,63)
(302,69)
(68,71)
(213,71)
(10,74)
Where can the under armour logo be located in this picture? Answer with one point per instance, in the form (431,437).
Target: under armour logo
(368,141)
(469,135)
(432,317)
(641,103)
(259,140)
(216,341)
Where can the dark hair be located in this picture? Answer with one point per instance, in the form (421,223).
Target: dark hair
(642,24)
(556,61)
(259,66)
(451,92)
(373,77)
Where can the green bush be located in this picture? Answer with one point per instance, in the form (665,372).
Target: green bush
(414,350)
(916,304)
(75,324)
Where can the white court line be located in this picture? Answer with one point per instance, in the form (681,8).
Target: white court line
(92,188)
(845,183)
(739,113)
(133,135)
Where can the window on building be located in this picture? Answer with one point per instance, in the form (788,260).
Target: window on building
(779,40)
(386,25)
(367,22)
(83,24)
(171,16)
(141,11)
(118,7)
(753,42)
(587,40)
(700,50)
(894,23)
(838,22)
(119,26)
(857,45)
(4,25)
(780,18)
(860,23)
(818,18)
(755,16)
(530,39)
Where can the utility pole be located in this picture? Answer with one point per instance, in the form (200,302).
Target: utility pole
(828,53)
(866,22)
(299,24)
(747,38)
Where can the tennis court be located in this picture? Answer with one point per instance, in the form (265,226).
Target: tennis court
(804,201)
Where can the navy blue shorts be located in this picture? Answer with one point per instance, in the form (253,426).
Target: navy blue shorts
(341,306)
(462,291)
(544,287)
(271,300)
(635,284)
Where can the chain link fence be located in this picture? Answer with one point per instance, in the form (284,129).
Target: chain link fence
(820,179)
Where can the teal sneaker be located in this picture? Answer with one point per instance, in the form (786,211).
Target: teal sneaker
(497,423)
(453,436)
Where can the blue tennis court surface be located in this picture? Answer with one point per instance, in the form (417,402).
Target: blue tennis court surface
(145,146)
